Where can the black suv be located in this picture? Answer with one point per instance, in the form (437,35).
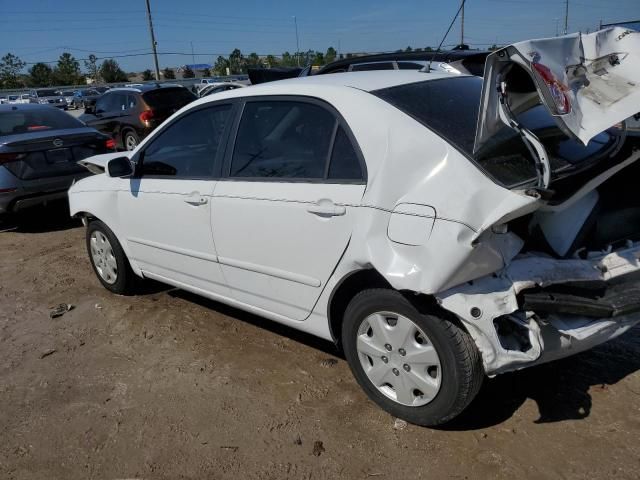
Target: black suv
(129,114)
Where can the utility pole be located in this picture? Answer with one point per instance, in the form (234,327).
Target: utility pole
(566,16)
(295,22)
(153,42)
(193,57)
(462,26)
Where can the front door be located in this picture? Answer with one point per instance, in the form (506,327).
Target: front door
(166,208)
(284,215)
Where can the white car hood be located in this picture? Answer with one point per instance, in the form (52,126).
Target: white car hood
(587,82)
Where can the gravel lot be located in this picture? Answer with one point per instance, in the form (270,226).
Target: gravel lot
(169,385)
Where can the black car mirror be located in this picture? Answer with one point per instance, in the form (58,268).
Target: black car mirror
(119,167)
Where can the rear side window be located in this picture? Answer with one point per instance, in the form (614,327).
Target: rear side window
(282,139)
(448,107)
(171,98)
(35,120)
(189,147)
(345,164)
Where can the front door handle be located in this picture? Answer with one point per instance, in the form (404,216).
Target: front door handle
(327,209)
(195,198)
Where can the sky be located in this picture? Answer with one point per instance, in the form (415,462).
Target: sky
(40,30)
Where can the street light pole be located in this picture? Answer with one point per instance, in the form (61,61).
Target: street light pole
(462,26)
(295,22)
(153,42)
(566,17)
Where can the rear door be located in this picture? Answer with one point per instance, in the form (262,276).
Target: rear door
(587,82)
(283,215)
(108,110)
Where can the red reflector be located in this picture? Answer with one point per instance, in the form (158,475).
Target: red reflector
(110,144)
(35,128)
(7,190)
(10,157)
(147,115)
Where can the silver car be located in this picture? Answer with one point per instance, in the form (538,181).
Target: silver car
(48,96)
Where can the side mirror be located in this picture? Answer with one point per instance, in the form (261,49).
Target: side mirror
(119,167)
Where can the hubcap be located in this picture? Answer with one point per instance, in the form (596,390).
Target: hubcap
(103,258)
(399,359)
(130,142)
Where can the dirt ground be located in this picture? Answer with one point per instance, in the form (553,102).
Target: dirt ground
(168,385)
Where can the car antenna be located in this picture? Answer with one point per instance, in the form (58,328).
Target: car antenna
(428,67)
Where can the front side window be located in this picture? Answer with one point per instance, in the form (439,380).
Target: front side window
(282,139)
(188,148)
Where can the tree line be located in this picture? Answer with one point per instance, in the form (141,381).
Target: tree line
(67,70)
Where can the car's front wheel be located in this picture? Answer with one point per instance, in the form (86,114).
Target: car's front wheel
(418,367)
(108,259)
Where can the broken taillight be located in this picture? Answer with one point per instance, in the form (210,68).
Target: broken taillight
(556,88)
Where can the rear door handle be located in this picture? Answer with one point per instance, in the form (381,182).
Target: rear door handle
(195,198)
(327,209)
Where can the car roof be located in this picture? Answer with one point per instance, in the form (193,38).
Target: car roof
(146,87)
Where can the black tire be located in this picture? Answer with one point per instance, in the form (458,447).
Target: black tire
(462,372)
(129,134)
(126,282)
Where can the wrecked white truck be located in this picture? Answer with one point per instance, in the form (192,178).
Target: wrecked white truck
(438,227)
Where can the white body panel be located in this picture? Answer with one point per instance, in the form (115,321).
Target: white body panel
(276,245)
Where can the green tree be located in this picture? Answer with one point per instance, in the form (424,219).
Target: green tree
(271,61)
(187,72)
(168,74)
(408,49)
(10,67)
(331,54)
(237,62)
(428,49)
(253,60)
(91,64)
(494,47)
(67,72)
(206,72)
(318,59)
(220,68)
(288,60)
(147,75)
(111,72)
(41,75)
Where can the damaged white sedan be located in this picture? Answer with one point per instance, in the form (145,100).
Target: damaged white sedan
(437,227)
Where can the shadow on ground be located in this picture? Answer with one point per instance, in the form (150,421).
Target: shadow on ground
(52,217)
(562,390)
(261,322)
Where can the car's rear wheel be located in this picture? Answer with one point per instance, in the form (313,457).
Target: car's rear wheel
(418,367)
(108,260)
(130,140)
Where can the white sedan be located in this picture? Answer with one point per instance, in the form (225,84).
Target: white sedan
(367,208)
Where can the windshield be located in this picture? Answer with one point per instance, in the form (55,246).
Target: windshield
(170,98)
(15,122)
(47,93)
(450,107)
